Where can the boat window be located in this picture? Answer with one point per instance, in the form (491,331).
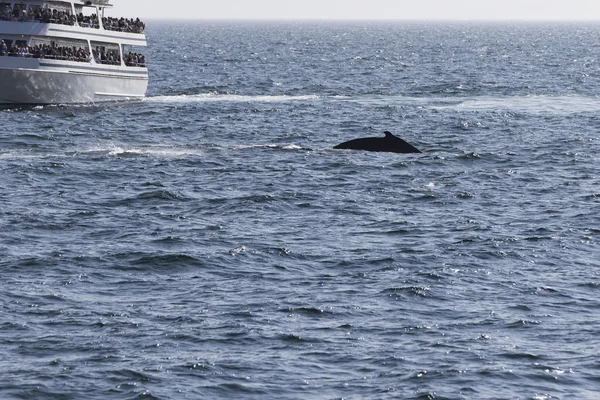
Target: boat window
(84,8)
(19,12)
(87,17)
(133,57)
(60,42)
(34,8)
(58,5)
(106,53)
(60,49)
(5,12)
(50,14)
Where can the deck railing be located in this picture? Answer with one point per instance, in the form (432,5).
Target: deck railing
(53,16)
(85,59)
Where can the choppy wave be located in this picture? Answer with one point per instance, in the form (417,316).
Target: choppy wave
(152,252)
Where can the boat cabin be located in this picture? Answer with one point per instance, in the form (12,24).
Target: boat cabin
(80,40)
(69,51)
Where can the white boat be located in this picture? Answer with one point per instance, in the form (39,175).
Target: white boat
(66,52)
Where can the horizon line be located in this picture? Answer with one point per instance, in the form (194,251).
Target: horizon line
(329,19)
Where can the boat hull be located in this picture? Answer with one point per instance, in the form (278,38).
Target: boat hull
(55,82)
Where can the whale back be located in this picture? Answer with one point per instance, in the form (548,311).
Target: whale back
(390,143)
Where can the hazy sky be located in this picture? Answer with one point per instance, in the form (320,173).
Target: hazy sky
(362,9)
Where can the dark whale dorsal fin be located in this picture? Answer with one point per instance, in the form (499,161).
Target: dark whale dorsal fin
(390,143)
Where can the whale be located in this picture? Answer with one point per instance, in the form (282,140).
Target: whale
(389,144)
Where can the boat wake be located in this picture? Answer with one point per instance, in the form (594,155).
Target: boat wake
(118,151)
(214,97)
(158,152)
(530,104)
(555,105)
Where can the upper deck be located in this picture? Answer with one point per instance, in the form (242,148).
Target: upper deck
(77,19)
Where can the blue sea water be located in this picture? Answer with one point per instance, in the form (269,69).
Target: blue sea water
(207,243)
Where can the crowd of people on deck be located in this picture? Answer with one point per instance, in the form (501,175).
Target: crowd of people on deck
(123,25)
(50,51)
(60,52)
(135,60)
(88,21)
(104,56)
(37,13)
(46,14)
(64,17)
(101,55)
(7,14)
(54,16)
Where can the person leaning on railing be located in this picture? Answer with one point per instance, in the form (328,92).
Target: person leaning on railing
(7,14)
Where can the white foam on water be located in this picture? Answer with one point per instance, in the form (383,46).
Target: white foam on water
(292,147)
(253,146)
(213,97)
(156,152)
(120,151)
(557,105)
(530,104)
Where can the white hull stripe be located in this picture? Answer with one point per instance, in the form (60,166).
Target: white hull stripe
(118,95)
(95,35)
(86,67)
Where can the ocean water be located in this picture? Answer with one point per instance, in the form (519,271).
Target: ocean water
(208,243)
